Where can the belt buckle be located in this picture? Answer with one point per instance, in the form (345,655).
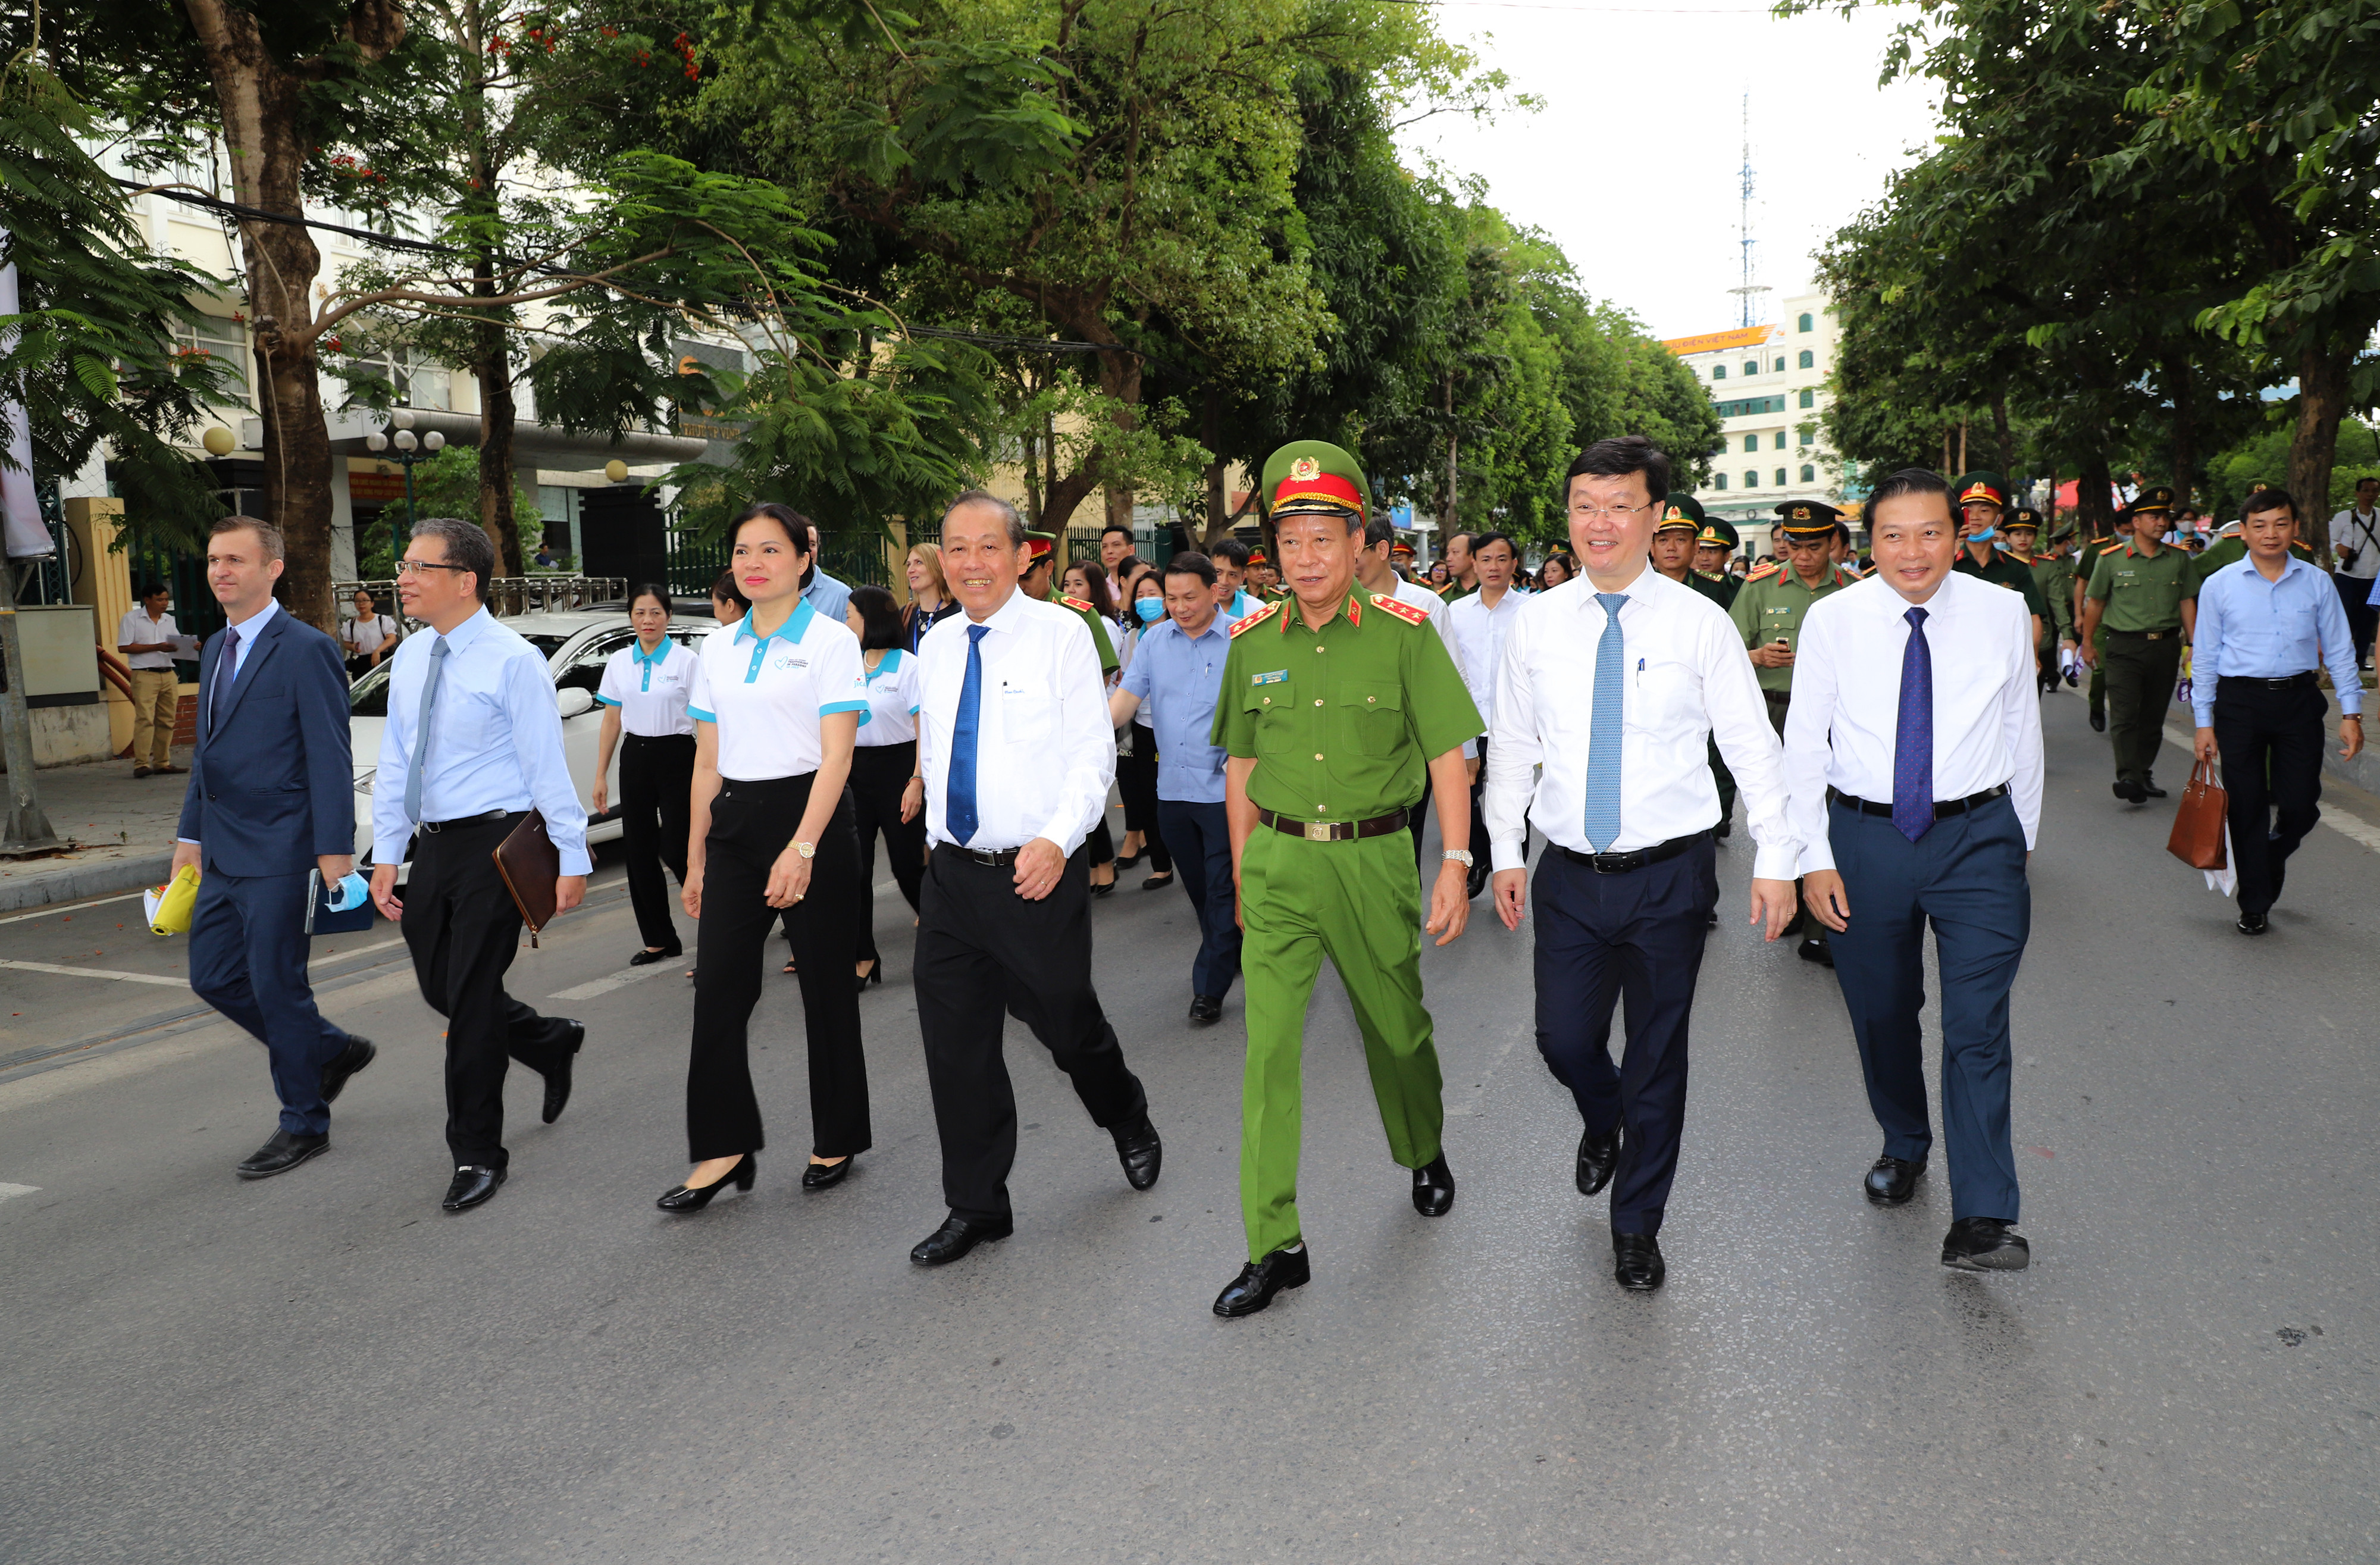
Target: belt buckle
(1318,831)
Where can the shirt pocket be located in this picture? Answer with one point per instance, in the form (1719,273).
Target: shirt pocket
(1269,709)
(1027,716)
(1664,694)
(1372,717)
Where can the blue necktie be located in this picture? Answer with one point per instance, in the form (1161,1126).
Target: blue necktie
(227,669)
(1603,732)
(421,731)
(958,792)
(1913,735)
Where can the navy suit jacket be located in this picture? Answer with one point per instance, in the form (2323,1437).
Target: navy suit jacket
(271,783)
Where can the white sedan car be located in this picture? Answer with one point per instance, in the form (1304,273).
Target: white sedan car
(576,645)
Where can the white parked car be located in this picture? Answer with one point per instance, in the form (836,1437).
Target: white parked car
(576,645)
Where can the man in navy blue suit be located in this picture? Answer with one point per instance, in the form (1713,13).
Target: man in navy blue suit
(271,797)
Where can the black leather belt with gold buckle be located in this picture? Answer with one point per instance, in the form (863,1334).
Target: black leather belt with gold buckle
(2147,634)
(1336,831)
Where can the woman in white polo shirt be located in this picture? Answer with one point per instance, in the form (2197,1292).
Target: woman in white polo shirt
(889,798)
(644,694)
(776,705)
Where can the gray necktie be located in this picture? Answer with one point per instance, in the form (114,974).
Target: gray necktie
(421,729)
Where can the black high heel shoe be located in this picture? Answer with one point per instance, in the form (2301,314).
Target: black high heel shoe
(680,1199)
(826,1176)
(875,974)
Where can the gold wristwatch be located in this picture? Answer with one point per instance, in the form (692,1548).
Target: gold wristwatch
(808,850)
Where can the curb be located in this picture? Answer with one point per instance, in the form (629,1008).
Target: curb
(78,882)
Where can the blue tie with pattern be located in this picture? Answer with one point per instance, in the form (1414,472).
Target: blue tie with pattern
(1603,731)
(958,794)
(1913,735)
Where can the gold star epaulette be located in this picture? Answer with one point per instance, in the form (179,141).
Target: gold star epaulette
(1409,614)
(1764,572)
(1256,619)
(1076,604)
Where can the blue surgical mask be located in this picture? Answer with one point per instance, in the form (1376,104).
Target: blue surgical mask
(1151,610)
(349,893)
(1985,535)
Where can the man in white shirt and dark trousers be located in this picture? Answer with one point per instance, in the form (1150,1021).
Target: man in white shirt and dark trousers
(2355,539)
(1913,751)
(1616,683)
(1017,751)
(1376,572)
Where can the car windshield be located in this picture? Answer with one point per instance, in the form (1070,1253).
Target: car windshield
(368,697)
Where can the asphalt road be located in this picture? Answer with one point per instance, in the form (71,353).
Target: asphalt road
(326,1368)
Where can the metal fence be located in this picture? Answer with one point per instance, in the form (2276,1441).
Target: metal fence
(507,595)
(691,567)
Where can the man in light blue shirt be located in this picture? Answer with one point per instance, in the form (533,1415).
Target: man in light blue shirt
(823,592)
(472,744)
(1179,673)
(2265,624)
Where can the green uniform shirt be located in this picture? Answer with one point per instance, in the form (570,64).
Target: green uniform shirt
(1771,604)
(1721,589)
(1342,722)
(2141,592)
(2225,551)
(2005,570)
(1109,663)
(2053,582)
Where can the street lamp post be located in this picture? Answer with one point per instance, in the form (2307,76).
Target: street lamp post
(409,449)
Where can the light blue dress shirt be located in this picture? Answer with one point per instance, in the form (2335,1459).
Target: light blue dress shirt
(1178,678)
(495,740)
(250,629)
(827,596)
(2259,629)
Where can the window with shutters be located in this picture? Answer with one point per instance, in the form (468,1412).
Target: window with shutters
(1807,323)
(1751,442)
(1752,478)
(1780,478)
(1718,480)
(1718,371)
(1809,360)
(1809,398)
(1809,474)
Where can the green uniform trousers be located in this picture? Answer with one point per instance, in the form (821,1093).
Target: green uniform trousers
(2141,675)
(1359,904)
(2099,674)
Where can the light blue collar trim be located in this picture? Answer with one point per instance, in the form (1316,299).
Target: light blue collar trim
(892,661)
(645,664)
(795,623)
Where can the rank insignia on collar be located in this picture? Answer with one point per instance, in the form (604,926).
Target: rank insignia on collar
(1412,614)
(1256,619)
(1075,604)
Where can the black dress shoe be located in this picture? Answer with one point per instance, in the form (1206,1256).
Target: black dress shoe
(2252,924)
(679,1198)
(826,1176)
(1598,1156)
(1433,1190)
(282,1151)
(2148,786)
(2130,792)
(956,1237)
(875,974)
(1813,948)
(1142,1154)
(2098,722)
(1985,1245)
(1157,883)
(359,1054)
(1636,1262)
(1127,861)
(1099,891)
(474,1183)
(1259,1280)
(1205,1010)
(557,1080)
(1892,1180)
(669,953)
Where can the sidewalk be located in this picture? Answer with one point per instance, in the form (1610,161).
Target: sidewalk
(122,828)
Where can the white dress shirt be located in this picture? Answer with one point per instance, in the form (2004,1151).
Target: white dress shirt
(652,692)
(1846,711)
(767,693)
(137,629)
(1687,681)
(1479,631)
(1045,750)
(892,716)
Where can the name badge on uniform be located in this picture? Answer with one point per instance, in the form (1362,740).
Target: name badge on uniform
(1278,676)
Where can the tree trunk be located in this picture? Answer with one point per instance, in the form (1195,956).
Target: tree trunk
(2003,438)
(2091,508)
(2180,387)
(260,98)
(497,414)
(2314,445)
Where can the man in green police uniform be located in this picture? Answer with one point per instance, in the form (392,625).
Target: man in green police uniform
(2053,583)
(1714,547)
(2145,597)
(1333,706)
(1982,499)
(1768,615)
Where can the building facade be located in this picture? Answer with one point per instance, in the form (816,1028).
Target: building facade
(1770,384)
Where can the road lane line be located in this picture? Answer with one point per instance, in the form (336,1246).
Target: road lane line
(177,983)
(623,978)
(68,908)
(8,1190)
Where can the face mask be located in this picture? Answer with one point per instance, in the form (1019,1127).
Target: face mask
(1151,610)
(349,893)
(1985,535)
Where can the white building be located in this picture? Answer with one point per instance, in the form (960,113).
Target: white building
(1769,383)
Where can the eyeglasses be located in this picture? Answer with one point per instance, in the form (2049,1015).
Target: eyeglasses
(1617,514)
(415,567)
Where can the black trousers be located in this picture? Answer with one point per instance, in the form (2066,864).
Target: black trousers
(2141,675)
(750,824)
(656,792)
(878,774)
(984,953)
(2355,597)
(462,930)
(1204,836)
(1137,781)
(2271,743)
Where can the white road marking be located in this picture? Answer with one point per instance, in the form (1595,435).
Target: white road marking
(70,909)
(8,1190)
(177,983)
(623,978)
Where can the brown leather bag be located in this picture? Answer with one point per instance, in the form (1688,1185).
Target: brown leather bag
(530,864)
(2197,837)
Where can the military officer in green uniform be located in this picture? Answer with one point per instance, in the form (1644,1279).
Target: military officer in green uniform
(1333,705)
(1040,556)
(2143,595)
(2052,582)
(1768,615)
(1714,546)
(1983,497)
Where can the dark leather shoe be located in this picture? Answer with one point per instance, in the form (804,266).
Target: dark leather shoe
(1813,948)
(1433,1189)
(1892,1180)
(2130,792)
(826,1176)
(282,1151)
(1985,1245)
(2098,722)
(956,1237)
(2252,924)
(2148,786)
(474,1183)
(1205,1010)
(1636,1262)
(557,1080)
(669,953)
(1142,1154)
(1157,883)
(359,1054)
(679,1198)
(1598,1156)
(1259,1280)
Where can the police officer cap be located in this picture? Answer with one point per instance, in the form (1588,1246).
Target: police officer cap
(2026,516)
(1310,476)
(1038,546)
(1807,519)
(1716,534)
(1681,511)
(1982,487)
(2157,500)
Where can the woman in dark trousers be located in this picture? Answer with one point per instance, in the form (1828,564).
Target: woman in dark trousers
(1136,768)
(643,697)
(776,702)
(886,794)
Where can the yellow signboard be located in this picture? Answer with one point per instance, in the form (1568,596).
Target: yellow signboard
(1713,342)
